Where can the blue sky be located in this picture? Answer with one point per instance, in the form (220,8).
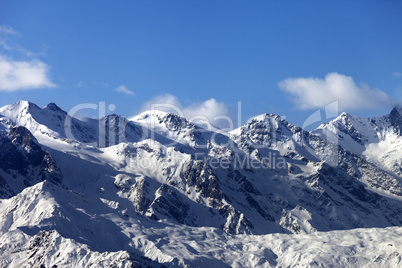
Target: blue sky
(284,57)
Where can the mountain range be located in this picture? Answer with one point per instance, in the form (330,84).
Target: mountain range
(159,190)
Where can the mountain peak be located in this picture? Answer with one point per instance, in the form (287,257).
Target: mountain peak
(147,115)
(396,117)
(19,109)
(346,115)
(397,110)
(23,104)
(154,117)
(266,116)
(53,107)
(344,118)
(271,120)
(267,122)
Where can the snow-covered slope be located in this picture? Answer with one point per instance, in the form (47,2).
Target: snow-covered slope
(49,121)
(61,231)
(158,189)
(178,130)
(55,123)
(379,140)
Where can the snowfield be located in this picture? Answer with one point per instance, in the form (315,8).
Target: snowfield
(41,236)
(159,191)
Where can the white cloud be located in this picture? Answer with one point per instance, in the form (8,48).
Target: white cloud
(210,110)
(30,73)
(397,74)
(124,90)
(164,102)
(4,29)
(314,92)
(21,75)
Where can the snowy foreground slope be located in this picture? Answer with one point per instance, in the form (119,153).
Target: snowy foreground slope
(67,236)
(157,190)
(109,240)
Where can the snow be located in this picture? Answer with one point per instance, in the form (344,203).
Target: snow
(149,201)
(183,246)
(375,139)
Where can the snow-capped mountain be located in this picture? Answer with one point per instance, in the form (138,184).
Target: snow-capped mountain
(379,140)
(49,121)
(53,122)
(157,189)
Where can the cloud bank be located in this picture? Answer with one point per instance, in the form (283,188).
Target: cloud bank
(210,110)
(310,93)
(22,74)
(124,90)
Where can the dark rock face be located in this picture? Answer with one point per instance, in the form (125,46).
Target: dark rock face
(197,174)
(395,118)
(117,129)
(22,156)
(181,125)
(20,149)
(5,189)
(170,204)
